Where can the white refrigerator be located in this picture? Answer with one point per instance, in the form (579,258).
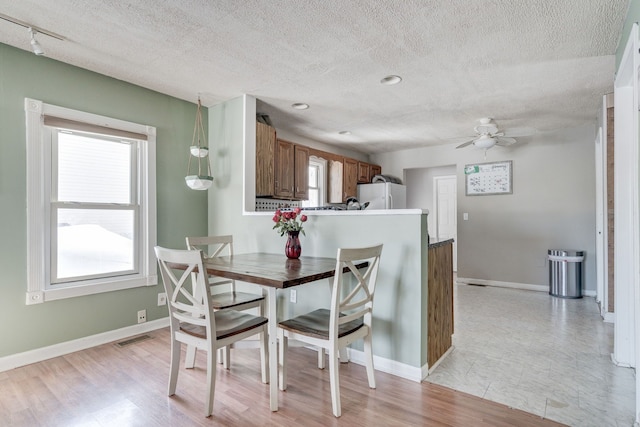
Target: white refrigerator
(383,195)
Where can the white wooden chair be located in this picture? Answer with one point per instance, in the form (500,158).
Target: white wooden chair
(194,322)
(348,319)
(224,295)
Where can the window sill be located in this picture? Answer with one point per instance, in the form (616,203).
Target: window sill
(38,297)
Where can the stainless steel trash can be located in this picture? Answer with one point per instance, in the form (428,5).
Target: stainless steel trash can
(565,273)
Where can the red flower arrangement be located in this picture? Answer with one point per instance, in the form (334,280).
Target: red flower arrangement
(289,221)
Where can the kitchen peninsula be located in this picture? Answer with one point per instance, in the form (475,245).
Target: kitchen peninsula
(402,308)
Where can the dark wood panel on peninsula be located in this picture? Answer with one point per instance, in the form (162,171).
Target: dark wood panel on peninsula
(440,300)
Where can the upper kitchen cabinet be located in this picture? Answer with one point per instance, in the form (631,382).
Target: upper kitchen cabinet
(364,173)
(350,178)
(301,172)
(265,160)
(282,167)
(374,170)
(285,170)
(335,192)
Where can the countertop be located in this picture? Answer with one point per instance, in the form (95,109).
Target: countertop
(433,243)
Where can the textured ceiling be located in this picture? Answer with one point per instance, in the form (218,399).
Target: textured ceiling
(541,64)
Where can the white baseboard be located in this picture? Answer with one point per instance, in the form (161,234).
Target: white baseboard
(609,318)
(389,366)
(514,285)
(39,354)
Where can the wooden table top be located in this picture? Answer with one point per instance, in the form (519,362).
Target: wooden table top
(272,269)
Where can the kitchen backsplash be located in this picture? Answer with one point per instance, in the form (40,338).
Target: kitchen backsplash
(263,205)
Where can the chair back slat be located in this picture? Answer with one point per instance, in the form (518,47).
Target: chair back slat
(212,247)
(189,296)
(358,303)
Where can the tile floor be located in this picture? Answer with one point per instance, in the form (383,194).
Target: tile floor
(545,355)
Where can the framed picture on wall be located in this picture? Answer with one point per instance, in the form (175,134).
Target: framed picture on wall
(488,179)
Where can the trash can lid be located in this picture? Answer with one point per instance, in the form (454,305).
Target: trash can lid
(565,252)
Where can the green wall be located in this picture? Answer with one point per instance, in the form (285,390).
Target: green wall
(180,211)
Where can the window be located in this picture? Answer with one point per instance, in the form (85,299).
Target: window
(317,182)
(91,203)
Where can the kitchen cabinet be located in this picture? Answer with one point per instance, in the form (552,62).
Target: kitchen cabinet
(364,171)
(265,158)
(301,172)
(374,170)
(334,193)
(284,169)
(350,180)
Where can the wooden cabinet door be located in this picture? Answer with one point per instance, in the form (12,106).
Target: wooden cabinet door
(363,173)
(350,184)
(334,195)
(301,172)
(265,157)
(374,170)
(284,169)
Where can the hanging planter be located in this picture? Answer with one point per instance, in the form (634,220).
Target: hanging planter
(199,154)
(198,182)
(199,151)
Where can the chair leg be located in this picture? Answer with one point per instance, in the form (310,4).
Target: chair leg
(282,360)
(190,360)
(334,379)
(368,355)
(320,358)
(344,356)
(211,380)
(264,356)
(220,355)
(226,356)
(174,366)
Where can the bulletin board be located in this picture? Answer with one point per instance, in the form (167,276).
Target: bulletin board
(484,179)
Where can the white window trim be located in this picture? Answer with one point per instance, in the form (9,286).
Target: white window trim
(38,224)
(322,178)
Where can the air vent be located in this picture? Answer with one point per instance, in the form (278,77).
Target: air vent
(133,340)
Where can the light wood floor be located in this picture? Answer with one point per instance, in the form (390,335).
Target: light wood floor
(126,386)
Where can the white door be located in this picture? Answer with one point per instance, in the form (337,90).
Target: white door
(445,209)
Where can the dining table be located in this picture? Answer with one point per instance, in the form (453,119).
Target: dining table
(272,272)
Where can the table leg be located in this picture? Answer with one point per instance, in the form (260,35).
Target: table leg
(273,348)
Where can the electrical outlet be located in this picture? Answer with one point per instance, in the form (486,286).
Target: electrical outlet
(162,299)
(142,316)
(293,296)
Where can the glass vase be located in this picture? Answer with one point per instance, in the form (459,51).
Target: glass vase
(293,249)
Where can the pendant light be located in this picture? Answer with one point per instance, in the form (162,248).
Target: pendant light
(199,153)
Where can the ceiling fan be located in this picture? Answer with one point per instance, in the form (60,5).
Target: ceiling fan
(488,135)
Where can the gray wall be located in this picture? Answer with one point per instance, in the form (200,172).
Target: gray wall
(180,211)
(552,206)
(419,184)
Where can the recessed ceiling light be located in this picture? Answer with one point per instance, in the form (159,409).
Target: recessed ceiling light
(345,132)
(300,106)
(391,80)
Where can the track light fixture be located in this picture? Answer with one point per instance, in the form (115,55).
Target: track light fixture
(35,46)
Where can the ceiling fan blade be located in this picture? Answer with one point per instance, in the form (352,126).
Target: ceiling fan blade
(505,140)
(465,144)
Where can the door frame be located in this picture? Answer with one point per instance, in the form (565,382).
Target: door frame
(626,348)
(436,179)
